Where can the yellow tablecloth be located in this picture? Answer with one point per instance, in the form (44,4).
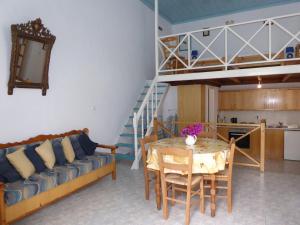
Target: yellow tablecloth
(209,155)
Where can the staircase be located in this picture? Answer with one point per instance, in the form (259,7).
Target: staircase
(150,98)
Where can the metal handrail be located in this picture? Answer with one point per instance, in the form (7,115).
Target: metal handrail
(152,99)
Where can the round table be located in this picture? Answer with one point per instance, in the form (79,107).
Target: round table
(209,157)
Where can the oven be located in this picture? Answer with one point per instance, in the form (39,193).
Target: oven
(236,133)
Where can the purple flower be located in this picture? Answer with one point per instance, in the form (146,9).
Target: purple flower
(193,129)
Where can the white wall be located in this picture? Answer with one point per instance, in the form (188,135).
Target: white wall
(211,103)
(260,41)
(102,56)
(169,105)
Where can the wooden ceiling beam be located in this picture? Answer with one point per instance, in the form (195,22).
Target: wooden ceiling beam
(235,80)
(286,77)
(214,83)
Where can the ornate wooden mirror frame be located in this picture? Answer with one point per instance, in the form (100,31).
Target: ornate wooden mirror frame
(30,56)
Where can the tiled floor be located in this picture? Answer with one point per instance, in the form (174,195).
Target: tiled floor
(259,199)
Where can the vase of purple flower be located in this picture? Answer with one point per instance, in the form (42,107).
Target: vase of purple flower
(190,133)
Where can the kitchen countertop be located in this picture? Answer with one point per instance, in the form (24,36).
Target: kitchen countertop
(267,127)
(282,128)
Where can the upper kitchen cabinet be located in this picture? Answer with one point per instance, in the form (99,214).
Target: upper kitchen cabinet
(240,100)
(273,99)
(228,100)
(292,99)
(191,103)
(260,99)
(252,99)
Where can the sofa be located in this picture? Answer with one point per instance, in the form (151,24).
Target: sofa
(24,196)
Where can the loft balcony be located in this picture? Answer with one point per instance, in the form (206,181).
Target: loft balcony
(263,47)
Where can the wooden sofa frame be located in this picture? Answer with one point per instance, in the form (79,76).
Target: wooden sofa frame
(10,214)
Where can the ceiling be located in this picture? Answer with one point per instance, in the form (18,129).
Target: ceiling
(181,11)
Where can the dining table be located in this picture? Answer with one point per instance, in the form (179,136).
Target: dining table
(209,157)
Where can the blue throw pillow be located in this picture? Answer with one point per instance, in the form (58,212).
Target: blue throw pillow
(36,160)
(7,172)
(87,145)
(79,152)
(34,157)
(59,152)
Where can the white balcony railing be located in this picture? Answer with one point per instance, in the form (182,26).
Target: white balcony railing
(254,43)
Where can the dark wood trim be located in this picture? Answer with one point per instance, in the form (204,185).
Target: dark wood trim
(286,77)
(235,80)
(42,137)
(2,205)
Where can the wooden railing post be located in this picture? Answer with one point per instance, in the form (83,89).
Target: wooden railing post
(2,205)
(262,145)
(155,126)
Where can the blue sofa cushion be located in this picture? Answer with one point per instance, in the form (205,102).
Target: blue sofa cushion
(59,152)
(25,189)
(18,191)
(83,166)
(87,144)
(79,152)
(35,158)
(99,160)
(65,173)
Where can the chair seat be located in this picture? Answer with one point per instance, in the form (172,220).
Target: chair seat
(182,180)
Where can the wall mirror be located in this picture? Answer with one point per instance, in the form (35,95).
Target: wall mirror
(30,56)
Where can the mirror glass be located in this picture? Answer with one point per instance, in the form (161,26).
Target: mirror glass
(31,61)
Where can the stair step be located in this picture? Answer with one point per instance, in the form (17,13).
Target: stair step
(159,86)
(140,101)
(126,145)
(136,108)
(158,93)
(131,117)
(130,135)
(131,126)
(125,156)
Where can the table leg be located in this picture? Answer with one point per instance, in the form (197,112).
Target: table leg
(157,190)
(213,195)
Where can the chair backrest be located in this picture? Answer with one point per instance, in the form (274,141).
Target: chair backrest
(171,43)
(231,156)
(183,157)
(144,141)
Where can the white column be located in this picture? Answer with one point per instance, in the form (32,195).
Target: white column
(156,37)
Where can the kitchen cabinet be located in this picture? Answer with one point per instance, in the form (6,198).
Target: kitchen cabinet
(260,99)
(274,145)
(292,99)
(253,151)
(191,103)
(273,99)
(228,100)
